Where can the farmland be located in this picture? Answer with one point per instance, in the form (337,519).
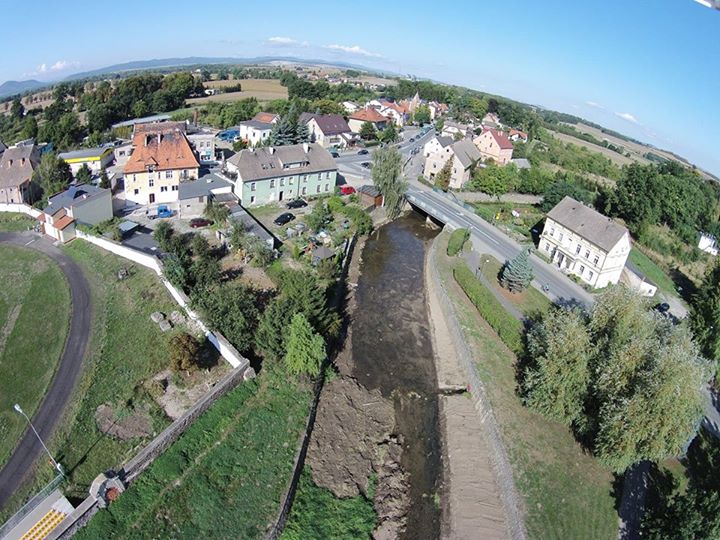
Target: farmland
(616,158)
(261,89)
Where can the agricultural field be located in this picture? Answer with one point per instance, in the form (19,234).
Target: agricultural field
(34,317)
(367,79)
(567,492)
(616,158)
(261,89)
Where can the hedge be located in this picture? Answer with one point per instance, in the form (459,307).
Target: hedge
(457,240)
(507,327)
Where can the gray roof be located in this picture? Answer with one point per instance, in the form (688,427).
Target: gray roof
(257,124)
(252,226)
(273,162)
(466,152)
(369,190)
(322,253)
(201,186)
(2,146)
(17,165)
(71,196)
(143,120)
(521,163)
(445,141)
(85,153)
(329,124)
(587,223)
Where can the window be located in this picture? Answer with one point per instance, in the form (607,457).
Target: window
(282,181)
(252,199)
(582,269)
(291,180)
(272,184)
(174,188)
(163,189)
(327,176)
(327,187)
(252,186)
(587,254)
(577,251)
(168,174)
(552,231)
(590,275)
(151,183)
(136,191)
(596,260)
(317,188)
(561,237)
(304,178)
(304,190)
(547,246)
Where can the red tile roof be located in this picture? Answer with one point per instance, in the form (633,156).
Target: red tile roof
(518,133)
(502,140)
(265,117)
(368,115)
(162,149)
(63,222)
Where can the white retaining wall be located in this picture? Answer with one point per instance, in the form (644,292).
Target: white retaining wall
(20,208)
(224,347)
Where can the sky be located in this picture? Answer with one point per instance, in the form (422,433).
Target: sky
(646,68)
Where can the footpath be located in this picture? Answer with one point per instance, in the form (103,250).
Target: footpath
(473,505)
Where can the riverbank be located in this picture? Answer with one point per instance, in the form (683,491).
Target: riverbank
(472,506)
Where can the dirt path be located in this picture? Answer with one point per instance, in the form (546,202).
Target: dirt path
(472,506)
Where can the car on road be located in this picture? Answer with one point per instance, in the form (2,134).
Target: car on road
(297,203)
(363,152)
(412,139)
(334,154)
(161,212)
(283,219)
(366,164)
(347,190)
(199,222)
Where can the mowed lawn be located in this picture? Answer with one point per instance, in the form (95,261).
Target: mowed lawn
(126,349)
(261,89)
(529,302)
(567,493)
(12,222)
(34,318)
(652,271)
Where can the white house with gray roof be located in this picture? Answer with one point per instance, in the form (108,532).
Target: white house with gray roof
(584,243)
(81,203)
(273,174)
(463,153)
(254,132)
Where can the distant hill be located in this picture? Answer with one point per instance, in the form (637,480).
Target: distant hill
(10,88)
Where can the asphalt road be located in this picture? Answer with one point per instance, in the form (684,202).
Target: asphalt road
(61,387)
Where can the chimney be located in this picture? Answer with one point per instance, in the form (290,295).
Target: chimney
(271,150)
(159,138)
(306,147)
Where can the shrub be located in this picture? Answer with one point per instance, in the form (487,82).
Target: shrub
(507,327)
(184,351)
(457,241)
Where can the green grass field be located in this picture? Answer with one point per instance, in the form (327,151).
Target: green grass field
(530,301)
(34,318)
(225,477)
(652,271)
(12,222)
(567,493)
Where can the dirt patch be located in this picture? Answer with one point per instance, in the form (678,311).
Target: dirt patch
(137,424)
(9,326)
(176,400)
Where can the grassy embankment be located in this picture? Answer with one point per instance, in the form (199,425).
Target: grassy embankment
(225,477)
(567,493)
(34,318)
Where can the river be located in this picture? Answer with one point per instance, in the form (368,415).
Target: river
(392,351)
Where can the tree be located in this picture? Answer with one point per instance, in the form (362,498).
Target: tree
(184,351)
(442,178)
(200,246)
(163,234)
(53,174)
(389,134)
(556,382)
(16,109)
(560,189)
(84,175)
(422,115)
(705,314)
(517,273)
(305,349)
(30,128)
(217,213)
(387,168)
(104,180)
(319,216)
(494,180)
(368,132)
(284,132)
(231,309)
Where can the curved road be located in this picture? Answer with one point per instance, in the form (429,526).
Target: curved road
(56,399)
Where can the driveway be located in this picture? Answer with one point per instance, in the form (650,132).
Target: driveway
(63,383)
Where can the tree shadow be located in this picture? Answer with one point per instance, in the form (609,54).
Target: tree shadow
(685,286)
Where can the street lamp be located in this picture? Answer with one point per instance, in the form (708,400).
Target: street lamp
(55,463)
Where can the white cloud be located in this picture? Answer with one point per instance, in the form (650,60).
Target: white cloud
(628,117)
(60,65)
(594,104)
(354,49)
(282,41)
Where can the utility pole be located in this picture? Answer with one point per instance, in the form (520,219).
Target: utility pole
(19,410)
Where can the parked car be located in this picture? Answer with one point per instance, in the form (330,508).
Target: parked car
(334,154)
(297,203)
(366,164)
(363,152)
(161,212)
(412,139)
(283,219)
(347,190)
(664,307)
(198,222)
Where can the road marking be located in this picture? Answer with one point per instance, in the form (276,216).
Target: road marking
(30,242)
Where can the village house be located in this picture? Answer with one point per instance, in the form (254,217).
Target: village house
(357,119)
(495,145)
(17,165)
(96,159)
(437,109)
(194,195)
(328,130)
(584,243)
(350,106)
(491,120)
(396,112)
(463,155)
(411,105)
(516,135)
(273,174)
(455,130)
(161,159)
(267,118)
(709,244)
(203,142)
(254,132)
(79,204)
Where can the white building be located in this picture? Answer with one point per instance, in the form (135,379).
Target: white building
(585,243)
(82,203)
(254,132)
(463,155)
(708,243)
(96,159)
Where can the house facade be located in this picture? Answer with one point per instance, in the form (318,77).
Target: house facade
(83,203)
(357,119)
(584,243)
(273,174)
(162,158)
(328,130)
(463,155)
(455,130)
(495,145)
(254,132)
(96,159)
(203,142)
(17,166)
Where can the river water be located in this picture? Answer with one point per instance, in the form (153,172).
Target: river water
(392,351)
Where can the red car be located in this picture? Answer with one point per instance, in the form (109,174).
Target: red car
(347,190)
(196,223)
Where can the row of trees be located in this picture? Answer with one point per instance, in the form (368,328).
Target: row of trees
(301,88)
(627,380)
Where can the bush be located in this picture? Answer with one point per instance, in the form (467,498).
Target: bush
(507,327)
(457,241)
(184,351)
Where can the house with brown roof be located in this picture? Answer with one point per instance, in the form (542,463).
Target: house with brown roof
(585,243)
(357,119)
(17,165)
(162,158)
(495,145)
(328,130)
(517,135)
(267,118)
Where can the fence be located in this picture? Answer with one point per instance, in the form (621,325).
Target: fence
(501,463)
(20,209)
